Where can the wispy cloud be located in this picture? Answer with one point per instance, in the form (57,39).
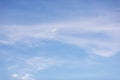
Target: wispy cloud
(26,68)
(24,76)
(98,35)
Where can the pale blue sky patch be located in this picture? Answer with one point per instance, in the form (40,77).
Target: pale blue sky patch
(59,40)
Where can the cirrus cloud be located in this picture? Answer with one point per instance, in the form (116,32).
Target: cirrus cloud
(99,35)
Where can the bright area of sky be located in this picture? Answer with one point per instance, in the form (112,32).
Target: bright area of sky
(59,39)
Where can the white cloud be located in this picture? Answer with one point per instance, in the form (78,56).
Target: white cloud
(15,75)
(98,47)
(23,76)
(33,64)
(26,68)
(99,35)
(40,63)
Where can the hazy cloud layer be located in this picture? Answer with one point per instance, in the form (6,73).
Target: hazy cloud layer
(97,35)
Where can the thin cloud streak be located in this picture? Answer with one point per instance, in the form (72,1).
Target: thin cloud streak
(98,35)
(26,68)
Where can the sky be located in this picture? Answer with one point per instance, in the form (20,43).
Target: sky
(59,39)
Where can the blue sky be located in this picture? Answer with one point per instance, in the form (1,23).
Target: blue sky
(59,40)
